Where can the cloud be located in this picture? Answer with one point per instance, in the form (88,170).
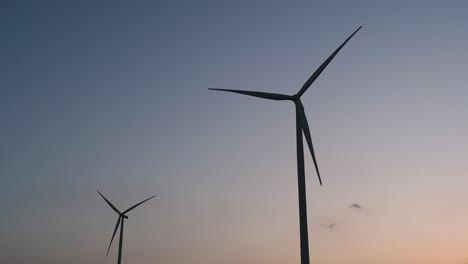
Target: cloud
(329,226)
(355,206)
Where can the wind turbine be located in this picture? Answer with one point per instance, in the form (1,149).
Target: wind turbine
(120,221)
(302,126)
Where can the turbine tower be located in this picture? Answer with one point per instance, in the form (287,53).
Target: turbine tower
(120,221)
(302,126)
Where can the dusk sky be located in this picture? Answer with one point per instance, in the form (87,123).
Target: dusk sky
(112,96)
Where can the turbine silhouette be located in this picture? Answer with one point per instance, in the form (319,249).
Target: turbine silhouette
(302,126)
(120,221)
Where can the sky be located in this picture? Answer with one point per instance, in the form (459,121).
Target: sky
(112,96)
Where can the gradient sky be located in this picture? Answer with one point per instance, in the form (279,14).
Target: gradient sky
(113,96)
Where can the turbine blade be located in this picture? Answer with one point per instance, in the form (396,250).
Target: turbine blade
(109,203)
(305,129)
(270,96)
(113,234)
(322,67)
(133,207)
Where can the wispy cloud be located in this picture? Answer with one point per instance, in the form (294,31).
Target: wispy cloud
(355,206)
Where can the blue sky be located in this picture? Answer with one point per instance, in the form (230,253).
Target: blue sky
(113,96)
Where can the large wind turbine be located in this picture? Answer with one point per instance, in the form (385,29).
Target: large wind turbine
(301,127)
(120,221)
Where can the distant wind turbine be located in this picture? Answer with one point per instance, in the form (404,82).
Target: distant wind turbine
(301,127)
(120,221)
